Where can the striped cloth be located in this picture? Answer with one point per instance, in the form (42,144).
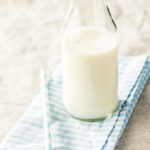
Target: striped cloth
(68,133)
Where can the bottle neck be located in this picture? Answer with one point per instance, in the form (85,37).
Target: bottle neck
(91,12)
(88,13)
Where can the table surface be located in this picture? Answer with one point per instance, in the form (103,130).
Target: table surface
(29,40)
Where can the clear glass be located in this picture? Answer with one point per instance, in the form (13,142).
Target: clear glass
(90,61)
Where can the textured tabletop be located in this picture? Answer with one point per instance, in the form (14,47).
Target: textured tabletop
(29,40)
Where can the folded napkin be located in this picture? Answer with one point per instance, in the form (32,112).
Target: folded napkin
(70,134)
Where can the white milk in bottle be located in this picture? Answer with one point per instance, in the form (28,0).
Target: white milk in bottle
(90,69)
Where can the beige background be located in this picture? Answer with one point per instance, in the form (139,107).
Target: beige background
(29,39)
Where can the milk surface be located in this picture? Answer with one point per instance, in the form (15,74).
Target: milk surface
(90,69)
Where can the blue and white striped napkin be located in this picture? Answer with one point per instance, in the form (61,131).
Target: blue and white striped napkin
(68,133)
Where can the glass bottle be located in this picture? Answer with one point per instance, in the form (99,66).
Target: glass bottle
(90,60)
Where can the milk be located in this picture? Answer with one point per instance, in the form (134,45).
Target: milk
(90,69)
